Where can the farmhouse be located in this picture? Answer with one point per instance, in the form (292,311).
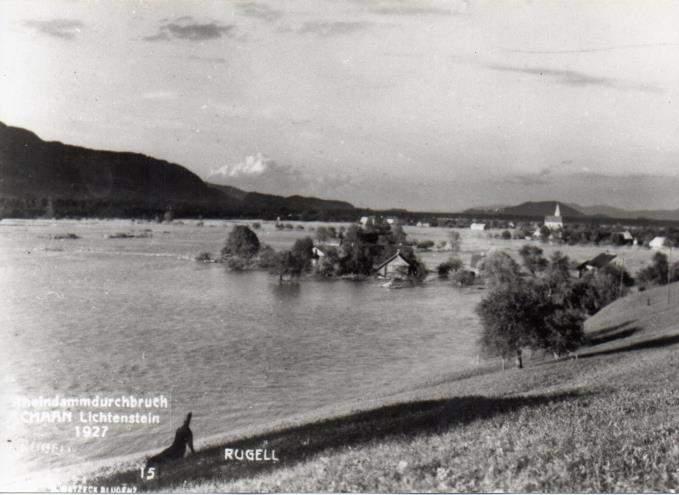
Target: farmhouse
(596,263)
(396,265)
(478,226)
(554,222)
(657,242)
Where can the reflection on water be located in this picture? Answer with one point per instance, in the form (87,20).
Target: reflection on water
(138,316)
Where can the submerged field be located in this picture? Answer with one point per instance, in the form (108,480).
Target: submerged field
(606,421)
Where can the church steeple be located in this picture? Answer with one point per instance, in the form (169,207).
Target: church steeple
(557,211)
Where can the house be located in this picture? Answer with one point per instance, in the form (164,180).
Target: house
(625,237)
(395,266)
(658,242)
(596,263)
(316,254)
(478,226)
(423,224)
(554,222)
(366,221)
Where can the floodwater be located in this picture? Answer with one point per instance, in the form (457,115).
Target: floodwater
(105,317)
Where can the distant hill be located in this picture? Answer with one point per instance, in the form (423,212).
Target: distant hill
(612,212)
(33,170)
(540,209)
(573,210)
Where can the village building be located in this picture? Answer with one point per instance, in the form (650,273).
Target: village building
(595,264)
(554,222)
(478,226)
(658,242)
(395,266)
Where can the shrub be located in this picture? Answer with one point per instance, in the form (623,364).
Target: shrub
(428,244)
(204,257)
(506,235)
(266,258)
(452,265)
(464,278)
(256,225)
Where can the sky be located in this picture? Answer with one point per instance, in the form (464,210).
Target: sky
(433,105)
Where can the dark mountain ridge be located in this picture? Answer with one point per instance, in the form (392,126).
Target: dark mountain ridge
(35,170)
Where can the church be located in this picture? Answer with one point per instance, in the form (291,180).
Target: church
(554,222)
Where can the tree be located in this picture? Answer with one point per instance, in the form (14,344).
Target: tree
(241,242)
(287,264)
(532,258)
(545,233)
(656,273)
(525,315)
(500,268)
(303,250)
(455,241)
(398,235)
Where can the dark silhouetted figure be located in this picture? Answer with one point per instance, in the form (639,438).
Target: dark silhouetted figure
(182,438)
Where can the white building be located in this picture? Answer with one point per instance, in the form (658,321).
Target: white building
(657,242)
(478,226)
(554,222)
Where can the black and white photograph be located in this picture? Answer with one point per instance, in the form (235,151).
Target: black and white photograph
(323,246)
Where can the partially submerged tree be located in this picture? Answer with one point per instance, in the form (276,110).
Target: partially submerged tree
(241,242)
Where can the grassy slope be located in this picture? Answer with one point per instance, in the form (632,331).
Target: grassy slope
(607,421)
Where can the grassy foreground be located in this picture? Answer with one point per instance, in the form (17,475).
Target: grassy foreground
(607,421)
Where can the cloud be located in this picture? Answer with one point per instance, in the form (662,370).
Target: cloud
(65,29)
(159,95)
(185,29)
(573,78)
(334,28)
(262,174)
(211,60)
(441,7)
(593,50)
(540,178)
(259,11)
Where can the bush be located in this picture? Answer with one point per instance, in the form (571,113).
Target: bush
(428,244)
(267,257)
(204,257)
(452,265)
(68,236)
(256,225)
(242,242)
(506,235)
(464,278)
(239,264)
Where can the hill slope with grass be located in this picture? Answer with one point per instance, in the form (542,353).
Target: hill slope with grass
(606,421)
